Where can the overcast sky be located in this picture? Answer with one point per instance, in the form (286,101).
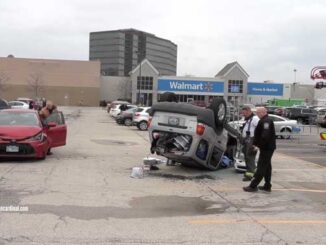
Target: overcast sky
(269,38)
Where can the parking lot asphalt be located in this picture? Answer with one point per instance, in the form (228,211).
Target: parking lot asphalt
(83,194)
(306,146)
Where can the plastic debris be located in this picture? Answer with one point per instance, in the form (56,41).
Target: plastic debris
(137,172)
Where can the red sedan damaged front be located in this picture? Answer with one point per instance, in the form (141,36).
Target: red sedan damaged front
(23,135)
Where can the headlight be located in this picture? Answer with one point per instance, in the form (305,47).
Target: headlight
(39,137)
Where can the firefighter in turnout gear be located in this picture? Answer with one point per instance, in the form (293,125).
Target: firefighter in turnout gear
(248,150)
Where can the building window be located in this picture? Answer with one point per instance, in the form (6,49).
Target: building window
(235,86)
(145,83)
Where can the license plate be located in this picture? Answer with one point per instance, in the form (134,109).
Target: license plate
(174,121)
(12,148)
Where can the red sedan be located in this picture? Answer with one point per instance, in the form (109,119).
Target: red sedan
(22,134)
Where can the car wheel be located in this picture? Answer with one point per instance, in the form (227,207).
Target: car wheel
(286,130)
(142,126)
(218,106)
(128,122)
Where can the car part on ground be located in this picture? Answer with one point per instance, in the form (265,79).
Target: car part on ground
(189,134)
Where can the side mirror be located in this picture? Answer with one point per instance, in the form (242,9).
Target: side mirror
(51,124)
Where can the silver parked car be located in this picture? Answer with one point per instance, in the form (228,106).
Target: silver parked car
(283,127)
(189,134)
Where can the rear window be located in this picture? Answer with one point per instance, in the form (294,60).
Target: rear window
(140,109)
(322,112)
(132,109)
(308,111)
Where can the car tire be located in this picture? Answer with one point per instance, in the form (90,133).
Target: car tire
(142,126)
(285,130)
(218,106)
(128,122)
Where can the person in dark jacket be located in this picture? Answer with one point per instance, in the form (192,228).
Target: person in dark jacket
(265,141)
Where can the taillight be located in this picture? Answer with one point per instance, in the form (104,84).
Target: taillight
(323,136)
(137,114)
(200,129)
(149,122)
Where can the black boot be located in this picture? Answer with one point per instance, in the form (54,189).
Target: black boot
(250,189)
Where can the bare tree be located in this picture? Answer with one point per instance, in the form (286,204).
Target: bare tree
(36,84)
(3,83)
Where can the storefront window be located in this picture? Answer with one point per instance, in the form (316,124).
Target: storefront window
(145,83)
(235,86)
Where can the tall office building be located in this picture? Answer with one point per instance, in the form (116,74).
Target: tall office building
(120,51)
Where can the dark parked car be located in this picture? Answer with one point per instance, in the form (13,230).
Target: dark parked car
(4,104)
(125,117)
(271,109)
(302,115)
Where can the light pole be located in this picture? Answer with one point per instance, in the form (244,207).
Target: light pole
(140,80)
(139,77)
(295,75)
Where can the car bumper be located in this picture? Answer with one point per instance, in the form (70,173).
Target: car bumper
(25,149)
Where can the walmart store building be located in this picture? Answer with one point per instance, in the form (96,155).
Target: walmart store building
(231,83)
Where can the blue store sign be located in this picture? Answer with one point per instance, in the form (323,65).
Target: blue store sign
(173,85)
(271,89)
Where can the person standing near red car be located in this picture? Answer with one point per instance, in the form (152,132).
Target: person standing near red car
(46,111)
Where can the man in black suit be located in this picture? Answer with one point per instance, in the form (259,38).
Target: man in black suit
(265,141)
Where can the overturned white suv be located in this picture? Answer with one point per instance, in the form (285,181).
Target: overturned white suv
(189,134)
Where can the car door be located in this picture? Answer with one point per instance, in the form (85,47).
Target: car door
(58,133)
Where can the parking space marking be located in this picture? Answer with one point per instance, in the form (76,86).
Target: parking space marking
(300,190)
(300,170)
(274,189)
(266,222)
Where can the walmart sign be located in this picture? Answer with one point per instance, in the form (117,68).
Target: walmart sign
(172,85)
(271,89)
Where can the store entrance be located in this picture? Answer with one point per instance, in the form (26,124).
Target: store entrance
(146,99)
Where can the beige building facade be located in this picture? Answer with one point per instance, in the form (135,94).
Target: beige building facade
(65,82)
